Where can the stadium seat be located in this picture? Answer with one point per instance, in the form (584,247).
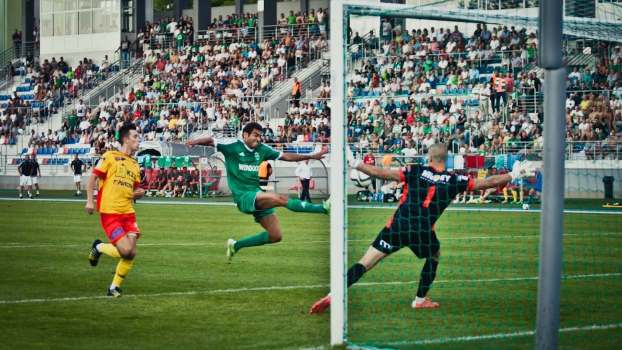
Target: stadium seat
(25,150)
(45,161)
(217,183)
(35,151)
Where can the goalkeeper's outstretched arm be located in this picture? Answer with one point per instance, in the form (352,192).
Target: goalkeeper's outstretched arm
(491,182)
(379,173)
(520,170)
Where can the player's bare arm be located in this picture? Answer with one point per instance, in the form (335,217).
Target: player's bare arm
(519,170)
(377,172)
(90,188)
(138,192)
(372,170)
(293,157)
(208,141)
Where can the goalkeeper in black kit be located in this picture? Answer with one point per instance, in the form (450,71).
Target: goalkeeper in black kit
(428,190)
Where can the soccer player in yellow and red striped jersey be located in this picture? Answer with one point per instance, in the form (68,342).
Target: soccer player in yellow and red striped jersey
(119,185)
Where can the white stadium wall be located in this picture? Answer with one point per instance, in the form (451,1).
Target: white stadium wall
(75,29)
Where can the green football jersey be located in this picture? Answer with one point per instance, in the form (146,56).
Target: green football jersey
(187,161)
(242,164)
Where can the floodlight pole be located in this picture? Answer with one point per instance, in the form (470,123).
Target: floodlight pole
(337,175)
(550,58)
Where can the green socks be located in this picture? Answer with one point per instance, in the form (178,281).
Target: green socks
(299,206)
(252,241)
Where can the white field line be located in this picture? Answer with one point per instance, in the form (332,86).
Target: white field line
(275,288)
(594,327)
(351,206)
(467,238)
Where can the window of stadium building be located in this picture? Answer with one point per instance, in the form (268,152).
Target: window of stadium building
(79,17)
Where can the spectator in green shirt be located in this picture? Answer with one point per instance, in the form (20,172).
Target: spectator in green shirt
(180,37)
(291,19)
(73,120)
(426,128)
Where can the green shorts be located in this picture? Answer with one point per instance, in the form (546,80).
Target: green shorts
(246,204)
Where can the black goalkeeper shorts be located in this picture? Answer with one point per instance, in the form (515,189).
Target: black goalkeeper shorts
(422,241)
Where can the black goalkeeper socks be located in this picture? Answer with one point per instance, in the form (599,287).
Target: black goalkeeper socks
(355,273)
(428,273)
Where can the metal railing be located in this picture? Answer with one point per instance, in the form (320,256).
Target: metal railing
(575,150)
(105,84)
(306,30)
(227,35)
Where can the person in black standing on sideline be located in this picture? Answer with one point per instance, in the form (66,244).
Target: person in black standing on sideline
(78,166)
(304,174)
(36,173)
(25,170)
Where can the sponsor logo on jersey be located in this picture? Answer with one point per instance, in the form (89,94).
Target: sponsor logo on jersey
(246,167)
(241,154)
(385,244)
(428,175)
(463,178)
(256,156)
(117,158)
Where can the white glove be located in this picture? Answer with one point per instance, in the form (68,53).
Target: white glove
(522,169)
(350,160)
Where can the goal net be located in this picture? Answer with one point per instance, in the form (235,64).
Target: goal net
(465,73)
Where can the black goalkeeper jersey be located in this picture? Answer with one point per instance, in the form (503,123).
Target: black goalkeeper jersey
(427,193)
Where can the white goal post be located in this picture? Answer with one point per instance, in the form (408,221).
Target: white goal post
(340,13)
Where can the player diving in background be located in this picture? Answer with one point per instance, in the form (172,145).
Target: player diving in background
(427,193)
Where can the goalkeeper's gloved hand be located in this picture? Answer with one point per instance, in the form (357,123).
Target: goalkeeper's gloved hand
(522,169)
(350,160)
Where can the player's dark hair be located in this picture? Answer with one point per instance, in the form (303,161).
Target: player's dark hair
(125,131)
(250,127)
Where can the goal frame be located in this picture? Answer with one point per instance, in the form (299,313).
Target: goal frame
(551,225)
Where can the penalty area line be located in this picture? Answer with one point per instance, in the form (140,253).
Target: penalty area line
(279,288)
(594,327)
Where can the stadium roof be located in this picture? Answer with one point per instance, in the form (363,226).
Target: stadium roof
(602,29)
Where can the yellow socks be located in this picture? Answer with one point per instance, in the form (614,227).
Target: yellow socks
(505,193)
(515,195)
(122,270)
(109,250)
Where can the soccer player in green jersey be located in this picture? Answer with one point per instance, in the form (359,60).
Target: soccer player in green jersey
(242,160)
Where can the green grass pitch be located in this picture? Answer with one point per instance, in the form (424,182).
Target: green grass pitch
(181,293)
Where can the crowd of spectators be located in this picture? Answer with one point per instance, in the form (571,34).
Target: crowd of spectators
(415,75)
(48,85)
(214,81)
(426,83)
